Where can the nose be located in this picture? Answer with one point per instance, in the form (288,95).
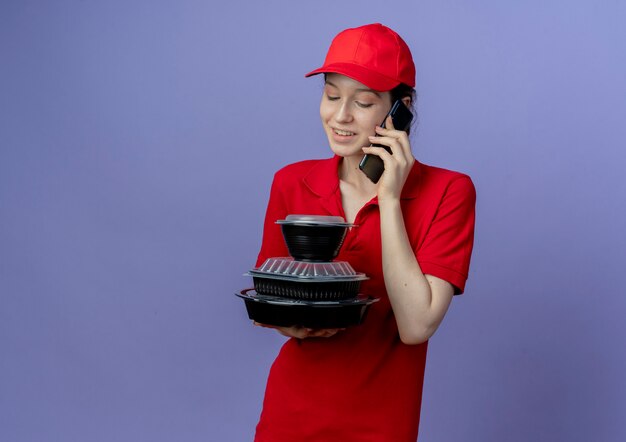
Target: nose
(343,114)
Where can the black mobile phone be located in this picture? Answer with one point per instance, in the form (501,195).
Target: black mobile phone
(372,165)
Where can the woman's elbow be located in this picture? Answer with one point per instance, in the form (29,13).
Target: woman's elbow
(416,335)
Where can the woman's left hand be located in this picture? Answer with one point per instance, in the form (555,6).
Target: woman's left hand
(302,332)
(398,165)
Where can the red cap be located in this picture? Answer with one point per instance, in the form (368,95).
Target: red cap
(373,55)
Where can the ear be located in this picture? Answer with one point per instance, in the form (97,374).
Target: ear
(407,101)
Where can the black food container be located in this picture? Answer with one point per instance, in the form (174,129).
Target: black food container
(306,290)
(314,238)
(286,313)
(288,278)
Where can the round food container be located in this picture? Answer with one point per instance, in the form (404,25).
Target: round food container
(314,238)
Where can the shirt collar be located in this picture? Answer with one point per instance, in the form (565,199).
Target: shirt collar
(323,178)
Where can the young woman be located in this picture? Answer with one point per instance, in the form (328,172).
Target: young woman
(414,240)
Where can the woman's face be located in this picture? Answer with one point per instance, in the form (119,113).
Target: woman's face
(350,111)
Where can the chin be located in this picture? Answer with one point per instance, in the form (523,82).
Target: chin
(343,150)
(346,151)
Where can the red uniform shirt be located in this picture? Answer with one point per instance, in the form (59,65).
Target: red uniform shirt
(363,384)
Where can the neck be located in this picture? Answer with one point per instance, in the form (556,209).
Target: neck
(350,173)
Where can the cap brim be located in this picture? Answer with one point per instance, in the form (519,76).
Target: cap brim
(369,78)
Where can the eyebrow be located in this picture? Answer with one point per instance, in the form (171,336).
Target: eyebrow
(358,90)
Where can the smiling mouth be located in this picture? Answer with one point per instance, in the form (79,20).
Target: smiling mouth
(343,133)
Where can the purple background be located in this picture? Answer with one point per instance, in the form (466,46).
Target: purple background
(137,145)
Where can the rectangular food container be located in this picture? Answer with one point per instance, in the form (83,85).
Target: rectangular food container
(288,278)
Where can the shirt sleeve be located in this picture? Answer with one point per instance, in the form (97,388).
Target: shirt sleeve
(273,244)
(447,247)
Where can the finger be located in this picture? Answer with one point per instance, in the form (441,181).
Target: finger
(293,332)
(332,332)
(323,333)
(401,136)
(390,131)
(390,142)
(315,333)
(389,123)
(285,331)
(388,161)
(379,152)
(289,333)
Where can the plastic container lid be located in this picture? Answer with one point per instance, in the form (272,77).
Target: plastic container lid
(288,268)
(315,220)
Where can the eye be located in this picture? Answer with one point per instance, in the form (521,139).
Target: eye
(363,105)
(331,98)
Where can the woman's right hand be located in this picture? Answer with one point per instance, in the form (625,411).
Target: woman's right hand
(302,332)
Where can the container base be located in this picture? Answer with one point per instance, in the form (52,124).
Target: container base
(283,312)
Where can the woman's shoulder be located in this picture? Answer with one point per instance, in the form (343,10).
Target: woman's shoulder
(444,177)
(440,183)
(440,173)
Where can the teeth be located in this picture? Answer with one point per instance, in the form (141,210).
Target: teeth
(343,132)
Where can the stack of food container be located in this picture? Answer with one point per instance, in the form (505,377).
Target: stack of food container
(308,288)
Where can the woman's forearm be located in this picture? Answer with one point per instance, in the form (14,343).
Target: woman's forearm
(409,290)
